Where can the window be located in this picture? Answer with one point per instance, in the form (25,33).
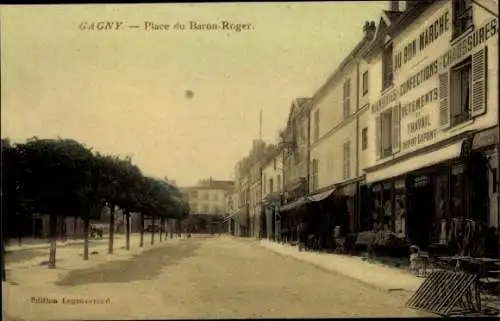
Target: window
(347,98)
(347,159)
(215,197)
(205,208)
(386,133)
(364,138)
(194,195)
(387,67)
(274,164)
(461,92)
(205,196)
(316,125)
(215,209)
(194,207)
(271,186)
(278,182)
(462,16)
(314,176)
(365,82)
(303,137)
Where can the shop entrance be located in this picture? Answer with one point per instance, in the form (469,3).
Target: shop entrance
(421,213)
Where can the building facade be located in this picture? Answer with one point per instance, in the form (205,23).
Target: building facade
(338,116)
(208,197)
(272,190)
(405,131)
(434,116)
(295,148)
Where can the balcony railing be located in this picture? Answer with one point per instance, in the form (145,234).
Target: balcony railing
(460,118)
(386,152)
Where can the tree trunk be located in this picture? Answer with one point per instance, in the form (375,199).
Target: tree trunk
(19,224)
(162,220)
(171,228)
(63,221)
(111,229)
(141,243)
(4,276)
(75,224)
(153,231)
(127,230)
(86,225)
(53,239)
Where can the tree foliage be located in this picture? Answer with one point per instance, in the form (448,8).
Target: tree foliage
(62,177)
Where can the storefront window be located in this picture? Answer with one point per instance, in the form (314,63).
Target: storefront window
(377,208)
(457,192)
(387,218)
(400,209)
(440,225)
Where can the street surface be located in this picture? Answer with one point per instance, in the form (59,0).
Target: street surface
(201,277)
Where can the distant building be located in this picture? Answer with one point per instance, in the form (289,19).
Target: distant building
(208,197)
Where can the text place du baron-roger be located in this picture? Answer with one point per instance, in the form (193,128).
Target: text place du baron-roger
(150,26)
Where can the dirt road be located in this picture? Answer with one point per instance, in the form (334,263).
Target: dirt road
(200,277)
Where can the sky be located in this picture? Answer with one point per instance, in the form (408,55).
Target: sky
(123,91)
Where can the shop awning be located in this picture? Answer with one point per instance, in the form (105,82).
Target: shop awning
(239,217)
(413,163)
(307,199)
(320,196)
(485,138)
(296,204)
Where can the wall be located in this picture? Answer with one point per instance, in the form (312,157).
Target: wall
(365,156)
(270,172)
(216,201)
(431,56)
(334,129)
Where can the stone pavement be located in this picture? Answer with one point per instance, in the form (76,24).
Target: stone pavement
(374,274)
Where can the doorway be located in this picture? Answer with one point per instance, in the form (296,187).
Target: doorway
(421,213)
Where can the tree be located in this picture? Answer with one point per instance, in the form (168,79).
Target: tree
(128,191)
(8,192)
(109,172)
(54,179)
(99,186)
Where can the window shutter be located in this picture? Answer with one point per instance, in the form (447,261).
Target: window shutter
(444,100)
(378,142)
(479,71)
(396,131)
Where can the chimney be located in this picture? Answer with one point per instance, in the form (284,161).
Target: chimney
(369,29)
(394,6)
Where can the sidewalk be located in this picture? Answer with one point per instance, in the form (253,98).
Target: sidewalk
(377,275)
(35,244)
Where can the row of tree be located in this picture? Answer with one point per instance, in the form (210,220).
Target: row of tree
(63,178)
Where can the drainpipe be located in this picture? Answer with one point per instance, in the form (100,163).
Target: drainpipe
(358,191)
(308,160)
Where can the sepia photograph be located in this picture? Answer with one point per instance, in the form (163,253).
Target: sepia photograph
(218,160)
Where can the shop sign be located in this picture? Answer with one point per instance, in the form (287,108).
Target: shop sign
(431,33)
(485,138)
(474,39)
